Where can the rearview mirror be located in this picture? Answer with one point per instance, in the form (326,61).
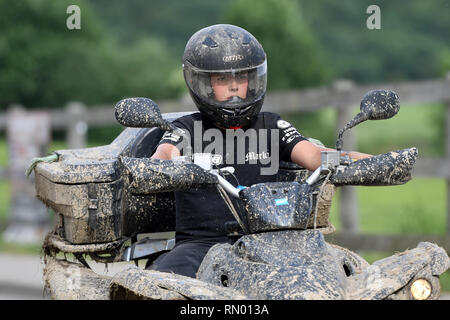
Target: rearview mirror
(380,104)
(141,113)
(375,105)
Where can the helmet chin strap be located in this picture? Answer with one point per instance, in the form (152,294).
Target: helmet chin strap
(235,99)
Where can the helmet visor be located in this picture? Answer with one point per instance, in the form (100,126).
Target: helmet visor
(229,88)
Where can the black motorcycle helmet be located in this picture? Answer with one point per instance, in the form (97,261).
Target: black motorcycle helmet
(228,52)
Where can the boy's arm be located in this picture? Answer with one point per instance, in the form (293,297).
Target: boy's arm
(307,154)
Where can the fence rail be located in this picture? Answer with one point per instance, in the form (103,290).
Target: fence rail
(342,95)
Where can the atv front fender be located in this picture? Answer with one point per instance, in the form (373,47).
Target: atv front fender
(72,281)
(391,278)
(133,282)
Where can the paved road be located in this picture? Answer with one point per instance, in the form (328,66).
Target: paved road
(21,277)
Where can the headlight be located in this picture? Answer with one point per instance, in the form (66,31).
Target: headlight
(421,289)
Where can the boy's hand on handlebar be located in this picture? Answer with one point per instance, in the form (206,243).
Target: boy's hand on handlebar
(354,155)
(166,151)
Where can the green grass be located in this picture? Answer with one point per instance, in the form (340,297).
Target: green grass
(4,201)
(420,126)
(417,207)
(3,153)
(57,145)
(7,247)
(414,126)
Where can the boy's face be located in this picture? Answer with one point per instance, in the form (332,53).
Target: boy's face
(226,86)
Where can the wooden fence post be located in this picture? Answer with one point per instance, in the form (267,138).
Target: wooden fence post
(348,197)
(76,126)
(28,135)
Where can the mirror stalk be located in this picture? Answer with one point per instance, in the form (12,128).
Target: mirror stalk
(375,105)
(360,117)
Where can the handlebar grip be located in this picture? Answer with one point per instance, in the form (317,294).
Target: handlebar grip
(146,175)
(392,168)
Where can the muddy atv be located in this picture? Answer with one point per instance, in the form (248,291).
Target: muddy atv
(110,201)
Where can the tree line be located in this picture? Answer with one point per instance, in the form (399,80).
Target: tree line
(134,47)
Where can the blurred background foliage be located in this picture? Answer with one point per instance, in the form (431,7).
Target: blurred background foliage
(134,47)
(295,59)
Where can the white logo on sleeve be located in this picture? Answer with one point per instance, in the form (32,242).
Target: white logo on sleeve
(171,136)
(281,124)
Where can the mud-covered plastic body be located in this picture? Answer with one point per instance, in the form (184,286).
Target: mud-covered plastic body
(290,261)
(294,264)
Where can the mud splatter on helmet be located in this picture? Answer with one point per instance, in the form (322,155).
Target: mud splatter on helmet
(229,51)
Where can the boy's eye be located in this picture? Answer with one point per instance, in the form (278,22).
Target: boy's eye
(241,77)
(220,79)
(223,79)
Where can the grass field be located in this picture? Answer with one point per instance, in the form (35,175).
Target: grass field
(3,152)
(420,126)
(417,207)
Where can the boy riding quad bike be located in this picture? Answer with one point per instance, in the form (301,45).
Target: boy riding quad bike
(247,195)
(225,69)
